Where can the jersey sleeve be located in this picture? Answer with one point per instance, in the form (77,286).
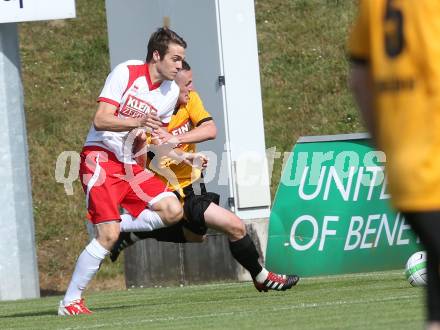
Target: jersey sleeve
(197,111)
(359,38)
(115,85)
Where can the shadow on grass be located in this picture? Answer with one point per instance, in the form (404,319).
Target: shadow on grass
(48,293)
(54,311)
(30,314)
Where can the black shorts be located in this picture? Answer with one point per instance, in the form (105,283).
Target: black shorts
(195,203)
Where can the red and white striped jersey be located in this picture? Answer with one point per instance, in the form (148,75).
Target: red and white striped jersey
(130,89)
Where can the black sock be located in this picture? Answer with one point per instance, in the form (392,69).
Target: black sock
(172,233)
(427,226)
(245,252)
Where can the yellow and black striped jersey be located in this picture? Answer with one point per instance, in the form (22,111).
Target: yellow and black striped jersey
(399,41)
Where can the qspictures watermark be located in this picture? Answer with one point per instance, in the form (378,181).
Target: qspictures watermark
(312,172)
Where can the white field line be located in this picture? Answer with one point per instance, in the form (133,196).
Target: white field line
(303,279)
(357,275)
(222,314)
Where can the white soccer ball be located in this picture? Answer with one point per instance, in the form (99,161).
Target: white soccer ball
(415,271)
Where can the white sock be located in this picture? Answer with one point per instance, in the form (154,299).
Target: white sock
(86,267)
(148,220)
(261,277)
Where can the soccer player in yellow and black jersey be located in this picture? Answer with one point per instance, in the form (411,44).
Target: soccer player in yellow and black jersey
(191,124)
(181,130)
(395,52)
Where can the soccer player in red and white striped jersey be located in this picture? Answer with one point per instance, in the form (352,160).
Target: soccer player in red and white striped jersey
(137,96)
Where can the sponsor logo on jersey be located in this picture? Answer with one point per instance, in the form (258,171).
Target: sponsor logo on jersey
(183,128)
(136,108)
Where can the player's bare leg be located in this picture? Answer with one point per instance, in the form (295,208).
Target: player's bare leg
(169,210)
(433,326)
(107,233)
(163,213)
(224,221)
(244,250)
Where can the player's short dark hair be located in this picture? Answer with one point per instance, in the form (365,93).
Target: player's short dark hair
(185,66)
(160,41)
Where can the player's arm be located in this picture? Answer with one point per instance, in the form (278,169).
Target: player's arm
(204,126)
(360,83)
(105,120)
(194,159)
(204,132)
(360,79)
(207,130)
(166,154)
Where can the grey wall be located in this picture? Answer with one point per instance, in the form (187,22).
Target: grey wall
(18,264)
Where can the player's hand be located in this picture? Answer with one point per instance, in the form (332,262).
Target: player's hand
(166,161)
(140,135)
(139,147)
(150,121)
(139,140)
(195,159)
(162,136)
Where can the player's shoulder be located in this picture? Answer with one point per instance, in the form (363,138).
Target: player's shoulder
(170,86)
(194,95)
(194,99)
(127,66)
(173,85)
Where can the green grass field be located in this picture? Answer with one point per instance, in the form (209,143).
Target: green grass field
(382,300)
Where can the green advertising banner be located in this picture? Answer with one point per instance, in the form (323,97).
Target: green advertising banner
(332,213)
